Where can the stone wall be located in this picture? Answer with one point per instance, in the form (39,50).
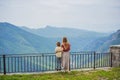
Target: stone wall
(115,50)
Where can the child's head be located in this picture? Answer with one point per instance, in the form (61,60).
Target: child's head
(58,43)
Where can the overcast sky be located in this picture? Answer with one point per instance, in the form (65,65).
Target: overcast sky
(95,15)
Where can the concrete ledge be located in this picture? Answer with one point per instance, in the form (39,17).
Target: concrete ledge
(115,46)
(47,72)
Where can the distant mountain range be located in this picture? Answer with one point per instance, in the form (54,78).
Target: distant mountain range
(54,32)
(15,40)
(113,39)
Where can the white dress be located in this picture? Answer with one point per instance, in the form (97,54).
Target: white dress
(66,60)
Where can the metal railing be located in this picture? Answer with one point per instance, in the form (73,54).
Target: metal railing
(23,63)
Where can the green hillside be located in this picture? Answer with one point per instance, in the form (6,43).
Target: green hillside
(15,40)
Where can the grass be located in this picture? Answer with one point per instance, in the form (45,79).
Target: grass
(112,74)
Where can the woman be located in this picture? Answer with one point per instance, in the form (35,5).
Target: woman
(66,54)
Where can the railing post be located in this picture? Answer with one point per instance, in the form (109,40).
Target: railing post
(94,59)
(4,64)
(111,59)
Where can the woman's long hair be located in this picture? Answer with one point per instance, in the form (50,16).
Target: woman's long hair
(65,42)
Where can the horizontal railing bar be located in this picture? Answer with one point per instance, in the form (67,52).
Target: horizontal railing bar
(47,53)
(72,53)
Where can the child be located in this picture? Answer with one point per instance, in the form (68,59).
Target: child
(58,51)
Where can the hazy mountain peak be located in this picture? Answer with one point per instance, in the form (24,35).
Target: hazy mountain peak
(13,39)
(6,24)
(48,26)
(51,27)
(116,34)
(118,31)
(52,31)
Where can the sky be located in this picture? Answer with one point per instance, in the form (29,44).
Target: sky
(94,15)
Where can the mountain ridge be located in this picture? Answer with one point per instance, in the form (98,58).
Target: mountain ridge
(103,44)
(50,31)
(14,40)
